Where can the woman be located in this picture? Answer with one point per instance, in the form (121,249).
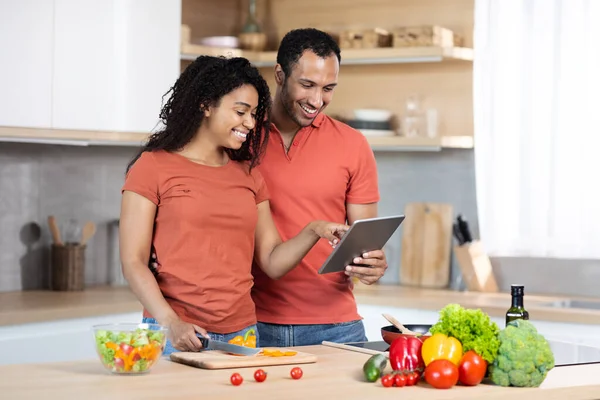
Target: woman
(194,196)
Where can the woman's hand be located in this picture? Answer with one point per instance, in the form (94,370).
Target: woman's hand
(329,230)
(183,335)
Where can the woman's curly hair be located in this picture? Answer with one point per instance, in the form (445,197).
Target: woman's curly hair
(203,84)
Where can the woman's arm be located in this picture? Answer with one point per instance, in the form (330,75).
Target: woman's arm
(277,258)
(136,227)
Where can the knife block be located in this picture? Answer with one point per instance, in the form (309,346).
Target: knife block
(476,268)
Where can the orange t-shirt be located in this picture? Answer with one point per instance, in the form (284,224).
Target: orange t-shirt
(328,165)
(203,236)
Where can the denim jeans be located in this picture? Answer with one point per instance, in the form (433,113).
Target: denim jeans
(273,335)
(213,336)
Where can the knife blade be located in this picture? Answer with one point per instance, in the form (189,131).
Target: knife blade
(228,347)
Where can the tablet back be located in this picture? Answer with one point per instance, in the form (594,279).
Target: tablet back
(364,235)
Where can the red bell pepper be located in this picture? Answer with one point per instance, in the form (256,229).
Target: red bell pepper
(405,354)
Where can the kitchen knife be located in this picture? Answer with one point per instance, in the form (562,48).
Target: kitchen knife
(457,234)
(464,229)
(208,344)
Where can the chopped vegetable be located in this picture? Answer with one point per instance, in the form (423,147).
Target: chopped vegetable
(441,347)
(129,352)
(278,353)
(472,327)
(524,358)
(248,340)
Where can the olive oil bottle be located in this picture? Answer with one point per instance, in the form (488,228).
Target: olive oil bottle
(517,309)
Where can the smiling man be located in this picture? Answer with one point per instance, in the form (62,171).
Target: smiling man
(315,168)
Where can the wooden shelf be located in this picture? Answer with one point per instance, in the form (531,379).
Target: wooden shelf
(103,138)
(399,143)
(385,55)
(70,137)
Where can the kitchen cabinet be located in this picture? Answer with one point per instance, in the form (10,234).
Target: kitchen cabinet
(113,61)
(90,65)
(26,28)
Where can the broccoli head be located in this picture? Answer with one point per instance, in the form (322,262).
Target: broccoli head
(524,357)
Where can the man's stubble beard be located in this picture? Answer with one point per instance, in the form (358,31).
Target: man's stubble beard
(288,106)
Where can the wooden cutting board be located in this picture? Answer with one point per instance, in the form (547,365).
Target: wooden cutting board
(426,245)
(216,359)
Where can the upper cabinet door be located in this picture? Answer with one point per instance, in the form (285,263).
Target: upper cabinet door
(148,52)
(26,67)
(113,60)
(85,69)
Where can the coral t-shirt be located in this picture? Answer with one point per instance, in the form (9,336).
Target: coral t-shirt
(203,236)
(328,165)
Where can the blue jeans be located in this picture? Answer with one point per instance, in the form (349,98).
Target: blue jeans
(213,336)
(273,335)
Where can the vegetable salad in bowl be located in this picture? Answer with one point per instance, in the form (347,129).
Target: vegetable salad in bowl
(129,348)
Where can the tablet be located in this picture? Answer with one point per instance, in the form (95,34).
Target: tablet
(363,235)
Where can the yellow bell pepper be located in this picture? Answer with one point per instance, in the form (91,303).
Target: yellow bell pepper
(248,340)
(440,346)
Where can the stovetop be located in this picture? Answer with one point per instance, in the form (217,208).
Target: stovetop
(564,353)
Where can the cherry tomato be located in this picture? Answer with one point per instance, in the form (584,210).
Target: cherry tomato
(296,373)
(119,364)
(412,378)
(441,374)
(126,349)
(236,379)
(400,380)
(260,375)
(387,380)
(471,369)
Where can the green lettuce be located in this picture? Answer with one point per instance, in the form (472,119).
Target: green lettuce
(156,336)
(102,337)
(472,327)
(140,338)
(122,337)
(140,365)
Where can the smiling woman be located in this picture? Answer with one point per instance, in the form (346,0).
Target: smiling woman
(194,196)
(215,103)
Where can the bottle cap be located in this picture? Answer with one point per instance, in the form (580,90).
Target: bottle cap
(517,290)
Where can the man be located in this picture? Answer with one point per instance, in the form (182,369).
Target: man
(316,168)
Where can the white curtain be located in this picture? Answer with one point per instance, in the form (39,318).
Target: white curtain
(537,127)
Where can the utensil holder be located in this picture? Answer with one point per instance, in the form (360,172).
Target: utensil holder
(67,267)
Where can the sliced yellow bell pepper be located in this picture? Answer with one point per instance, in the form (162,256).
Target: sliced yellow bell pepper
(441,347)
(248,340)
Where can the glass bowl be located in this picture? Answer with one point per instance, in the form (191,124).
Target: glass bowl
(129,348)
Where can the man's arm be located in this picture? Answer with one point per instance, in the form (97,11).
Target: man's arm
(375,259)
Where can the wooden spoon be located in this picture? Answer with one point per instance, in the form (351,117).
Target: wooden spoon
(404,330)
(54,230)
(89,229)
